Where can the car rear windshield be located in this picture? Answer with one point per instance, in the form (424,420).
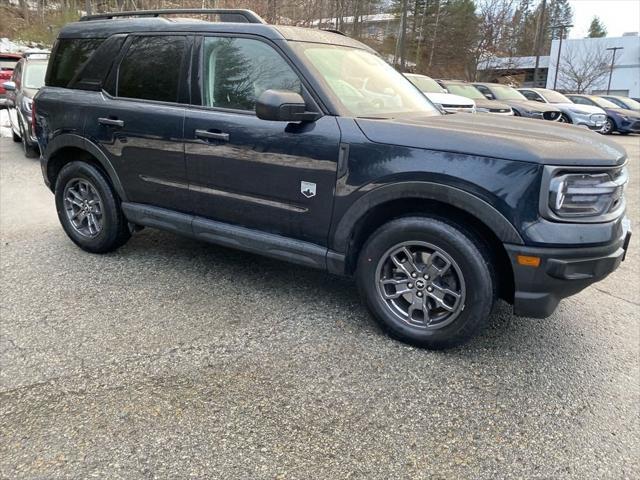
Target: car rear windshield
(70,54)
(34,75)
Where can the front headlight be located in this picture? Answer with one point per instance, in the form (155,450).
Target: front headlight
(26,104)
(587,195)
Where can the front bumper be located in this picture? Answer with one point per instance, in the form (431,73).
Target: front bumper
(629,126)
(562,272)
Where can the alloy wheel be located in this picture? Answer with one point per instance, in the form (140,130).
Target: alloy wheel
(421,285)
(83,207)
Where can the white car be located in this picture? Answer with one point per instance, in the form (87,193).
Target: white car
(440,96)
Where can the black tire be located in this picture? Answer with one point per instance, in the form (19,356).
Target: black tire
(16,137)
(609,127)
(114,230)
(473,262)
(30,150)
(516,113)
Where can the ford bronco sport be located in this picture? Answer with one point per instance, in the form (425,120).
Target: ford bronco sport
(304,145)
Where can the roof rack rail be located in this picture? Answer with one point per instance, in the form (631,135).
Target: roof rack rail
(234,15)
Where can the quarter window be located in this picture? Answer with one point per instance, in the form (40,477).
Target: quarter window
(151,68)
(238,70)
(69,57)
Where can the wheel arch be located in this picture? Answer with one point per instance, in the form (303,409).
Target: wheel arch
(423,198)
(67,148)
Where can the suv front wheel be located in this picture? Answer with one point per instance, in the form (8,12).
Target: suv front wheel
(427,282)
(89,210)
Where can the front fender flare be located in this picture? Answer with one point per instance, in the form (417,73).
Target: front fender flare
(471,204)
(73,140)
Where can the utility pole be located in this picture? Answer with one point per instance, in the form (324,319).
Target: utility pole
(538,40)
(562,29)
(613,61)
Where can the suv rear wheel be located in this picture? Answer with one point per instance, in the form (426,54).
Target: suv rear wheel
(427,282)
(89,210)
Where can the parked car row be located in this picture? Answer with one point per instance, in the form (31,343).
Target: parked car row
(27,77)
(605,114)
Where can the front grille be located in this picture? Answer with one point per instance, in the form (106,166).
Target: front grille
(551,116)
(635,126)
(598,118)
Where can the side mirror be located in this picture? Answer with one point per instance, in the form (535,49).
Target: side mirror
(9,86)
(283,106)
(489,96)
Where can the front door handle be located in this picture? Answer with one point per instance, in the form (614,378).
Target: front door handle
(209,135)
(113,122)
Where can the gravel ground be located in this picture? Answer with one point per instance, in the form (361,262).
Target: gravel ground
(174,359)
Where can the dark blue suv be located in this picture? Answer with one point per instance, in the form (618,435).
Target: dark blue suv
(304,145)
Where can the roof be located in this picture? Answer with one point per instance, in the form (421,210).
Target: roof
(103,28)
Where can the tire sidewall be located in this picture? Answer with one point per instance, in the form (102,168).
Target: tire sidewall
(480,289)
(611,126)
(110,207)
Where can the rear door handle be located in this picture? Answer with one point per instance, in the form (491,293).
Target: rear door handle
(208,135)
(113,122)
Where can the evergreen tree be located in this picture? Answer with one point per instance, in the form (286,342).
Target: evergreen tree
(597,29)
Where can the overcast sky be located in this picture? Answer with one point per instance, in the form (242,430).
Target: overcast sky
(619,16)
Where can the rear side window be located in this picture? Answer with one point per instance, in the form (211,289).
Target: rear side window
(70,56)
(151,68)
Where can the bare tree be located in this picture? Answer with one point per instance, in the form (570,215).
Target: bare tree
(583,69)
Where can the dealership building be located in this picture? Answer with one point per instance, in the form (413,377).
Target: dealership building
(576,55)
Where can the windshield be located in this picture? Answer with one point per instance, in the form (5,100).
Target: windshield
(425,84)
(363,83)
(555,97)
(601,102)
(629,103)
(468,91)
(504,92)
(34,75)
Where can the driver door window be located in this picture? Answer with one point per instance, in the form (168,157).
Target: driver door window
(238,70)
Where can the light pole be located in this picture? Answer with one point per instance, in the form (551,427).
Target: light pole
(613,61)
(538,40)
(562,29)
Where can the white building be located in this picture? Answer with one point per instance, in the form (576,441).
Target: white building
(625,77)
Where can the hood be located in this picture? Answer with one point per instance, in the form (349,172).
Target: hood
(624,111)
(449,99)
(531,105)
(510,138)
(591,109)
(492,104)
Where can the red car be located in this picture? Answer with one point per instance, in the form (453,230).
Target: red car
(8,62)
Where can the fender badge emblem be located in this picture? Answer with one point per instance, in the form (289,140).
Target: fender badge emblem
(308,189)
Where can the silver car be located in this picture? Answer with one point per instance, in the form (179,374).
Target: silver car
(586,115)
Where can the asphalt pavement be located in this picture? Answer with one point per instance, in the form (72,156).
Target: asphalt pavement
(176,359)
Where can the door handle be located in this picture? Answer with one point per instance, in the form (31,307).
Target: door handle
(113,122)
(209,135)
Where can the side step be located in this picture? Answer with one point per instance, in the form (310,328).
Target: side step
(242,238)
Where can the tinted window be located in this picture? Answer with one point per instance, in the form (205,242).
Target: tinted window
(151,68)
(69,57)
(238,70)
(95,71)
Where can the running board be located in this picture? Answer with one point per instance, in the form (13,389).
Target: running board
(227,235)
